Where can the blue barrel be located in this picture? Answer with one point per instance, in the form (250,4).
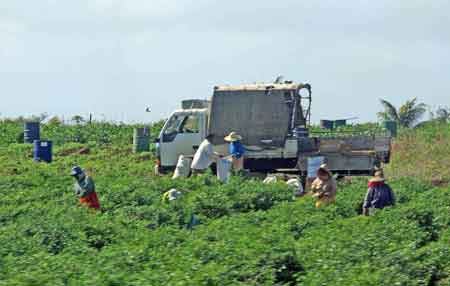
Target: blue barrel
(31,132)
(327,124)
(42,151)
(391,127)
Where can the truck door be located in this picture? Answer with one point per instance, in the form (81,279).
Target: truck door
(181,136)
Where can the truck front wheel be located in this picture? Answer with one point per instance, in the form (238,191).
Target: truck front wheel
(213,168)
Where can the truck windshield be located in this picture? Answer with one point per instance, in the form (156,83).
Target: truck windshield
(190,125)
(173,126)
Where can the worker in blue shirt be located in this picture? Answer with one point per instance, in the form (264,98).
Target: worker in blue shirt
(236,150)
(379,195)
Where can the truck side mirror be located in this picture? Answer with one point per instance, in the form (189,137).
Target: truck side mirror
(157,140)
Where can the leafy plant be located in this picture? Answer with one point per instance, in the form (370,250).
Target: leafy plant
(442,114)
(249,233)
(406,116)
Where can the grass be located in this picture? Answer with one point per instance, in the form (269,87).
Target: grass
(250,233)
(423,153)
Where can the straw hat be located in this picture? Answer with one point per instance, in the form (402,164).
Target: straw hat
(378,177)
(232,137)
(324,167)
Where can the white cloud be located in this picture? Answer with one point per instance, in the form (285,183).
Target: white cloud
(118,55)
(11,26)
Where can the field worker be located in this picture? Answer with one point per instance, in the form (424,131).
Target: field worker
(379,194)
(324,187)
(236,150)
(85,188)
(204,156)
(171,195)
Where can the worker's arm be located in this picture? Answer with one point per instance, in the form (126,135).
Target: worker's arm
(391,193)
(367,201)
(365,211)
(315,187)
(213,155)
(330,190)
(77,189)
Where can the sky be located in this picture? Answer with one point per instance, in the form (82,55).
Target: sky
(114,58)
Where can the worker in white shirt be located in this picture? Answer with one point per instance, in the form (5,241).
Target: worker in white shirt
(204,156)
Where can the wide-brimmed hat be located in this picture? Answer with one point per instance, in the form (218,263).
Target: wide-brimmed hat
(232,137)
(76,171)
(324,168)
(378,177)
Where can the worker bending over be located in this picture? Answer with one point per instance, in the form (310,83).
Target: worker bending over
(324,187)
(84,188)
(379,194)
(204,156)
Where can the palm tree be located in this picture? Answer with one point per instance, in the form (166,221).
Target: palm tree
(442,114)
(406,116)
(78,119)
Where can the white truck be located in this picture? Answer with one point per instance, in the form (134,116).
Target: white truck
(274,121)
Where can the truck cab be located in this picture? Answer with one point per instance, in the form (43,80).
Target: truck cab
(181,135)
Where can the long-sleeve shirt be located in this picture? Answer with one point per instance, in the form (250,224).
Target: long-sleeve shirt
(204,156)
(378,196)
(325,188)
(236,149)
(84,187)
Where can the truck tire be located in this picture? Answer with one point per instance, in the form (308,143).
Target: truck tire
(163,170)
(340,177)
(303,179)
(213,168)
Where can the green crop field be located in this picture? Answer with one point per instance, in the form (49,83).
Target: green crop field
(250,233)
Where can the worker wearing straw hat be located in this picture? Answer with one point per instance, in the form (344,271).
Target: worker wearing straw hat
(324,187)
(379,194)
(236,150)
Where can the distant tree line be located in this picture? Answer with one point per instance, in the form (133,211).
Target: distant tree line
(407,115)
